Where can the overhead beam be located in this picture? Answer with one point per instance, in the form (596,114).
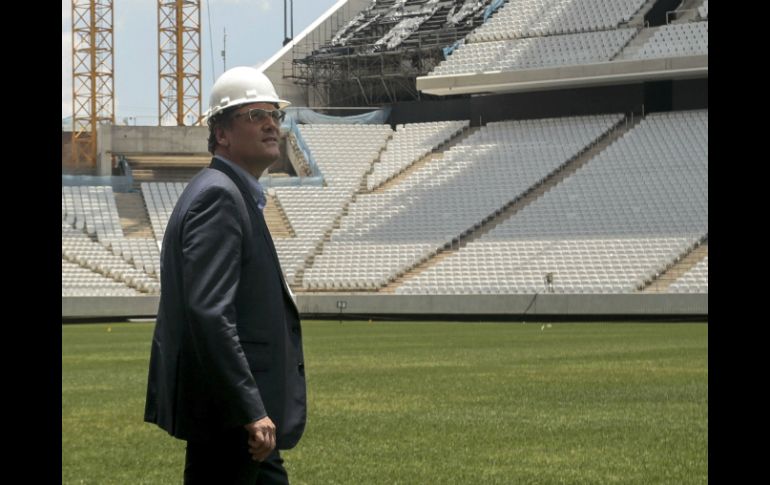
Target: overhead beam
(584,75)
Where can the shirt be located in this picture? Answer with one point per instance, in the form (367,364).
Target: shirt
(256,190)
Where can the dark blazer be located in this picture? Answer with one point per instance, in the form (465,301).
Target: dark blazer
(227,347)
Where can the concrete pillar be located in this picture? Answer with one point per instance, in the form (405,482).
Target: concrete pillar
(104,149)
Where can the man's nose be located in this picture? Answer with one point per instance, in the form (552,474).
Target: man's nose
(271,124)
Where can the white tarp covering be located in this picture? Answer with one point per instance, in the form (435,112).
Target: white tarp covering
(340,37)
(402,30)
(470,7)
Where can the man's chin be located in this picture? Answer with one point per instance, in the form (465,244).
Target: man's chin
(273,157)
(270,155)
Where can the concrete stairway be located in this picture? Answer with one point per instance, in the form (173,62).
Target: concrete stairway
(276,218)
(662,282)
(133,215)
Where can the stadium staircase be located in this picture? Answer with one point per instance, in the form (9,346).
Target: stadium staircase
(165,168)
(528,197)
(665,279)
(435,154)
(638,19)
(276,218)
(635,44)
(133,215)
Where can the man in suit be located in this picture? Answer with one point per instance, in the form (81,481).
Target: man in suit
(226,366)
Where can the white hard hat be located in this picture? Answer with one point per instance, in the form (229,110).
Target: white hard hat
(241,85)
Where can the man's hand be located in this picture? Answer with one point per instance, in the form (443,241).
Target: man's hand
(261,438)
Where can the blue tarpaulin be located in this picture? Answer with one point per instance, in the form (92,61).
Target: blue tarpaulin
(492,7)
(307,115)
(451,48)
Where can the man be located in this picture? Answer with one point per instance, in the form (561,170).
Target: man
(226,366)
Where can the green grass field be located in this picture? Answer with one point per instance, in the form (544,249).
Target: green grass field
(425,403)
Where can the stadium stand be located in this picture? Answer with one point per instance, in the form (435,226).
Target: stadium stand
(538,34)
(549,202)
(610,227)
(591,235)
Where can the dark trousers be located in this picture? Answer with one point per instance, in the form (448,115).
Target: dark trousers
(225,460)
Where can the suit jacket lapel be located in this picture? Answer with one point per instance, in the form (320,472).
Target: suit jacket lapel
(252,204)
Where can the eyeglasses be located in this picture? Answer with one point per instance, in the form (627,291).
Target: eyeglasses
(258,114)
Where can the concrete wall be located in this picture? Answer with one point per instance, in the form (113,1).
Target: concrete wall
(109,306)
(624,98)
(159,140)
(563,102)
(692,94)
(657,14)
(446,305)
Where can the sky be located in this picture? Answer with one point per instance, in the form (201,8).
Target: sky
(254,33)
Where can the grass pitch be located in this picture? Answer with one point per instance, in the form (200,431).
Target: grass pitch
(425,403)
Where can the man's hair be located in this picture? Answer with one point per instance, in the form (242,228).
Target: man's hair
(222,119)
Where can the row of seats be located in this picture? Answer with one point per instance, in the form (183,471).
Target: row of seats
(144,254)
(533,18)
(535,52)
(591,265)
(79,249)
(92,209)
(80,281)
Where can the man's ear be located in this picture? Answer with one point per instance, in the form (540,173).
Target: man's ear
(219,132)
